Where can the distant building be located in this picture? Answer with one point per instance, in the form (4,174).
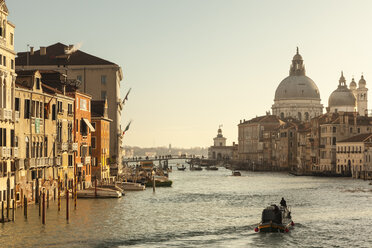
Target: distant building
(354,156)
(219,150)
(99,78)
(297,96)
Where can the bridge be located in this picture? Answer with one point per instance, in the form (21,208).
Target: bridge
(159,158)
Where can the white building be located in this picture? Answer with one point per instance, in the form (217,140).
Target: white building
(297,95)
(219,150)
(361,95)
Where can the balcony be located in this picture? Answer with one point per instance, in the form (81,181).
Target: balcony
(72,146)
(4,152)
(86,160)
(20,164)
(57,161)
(62,146)
(29,163)
(16,116)
(8,114)
(14,152)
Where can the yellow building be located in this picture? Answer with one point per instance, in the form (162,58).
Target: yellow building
(7,79)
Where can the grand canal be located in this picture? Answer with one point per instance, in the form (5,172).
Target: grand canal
(207,209)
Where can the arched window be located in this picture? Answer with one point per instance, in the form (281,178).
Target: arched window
(299,116)
(307,116)
(334,141)
(282,115)
(4,28)
(4,93)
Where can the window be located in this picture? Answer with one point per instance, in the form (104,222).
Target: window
(53,112)
(11,39)
(12,144)
(83,128)
(77,126)
(93,124)
(69,132)
(46,147)
(70,160)
(1,59)
(79,78)
(103,79)
(59,131)
(70,111)
(4,61)
(103,94)
(16,104)
(12,64)
(59,107)
(27,109)
(27,141)
(94,142)
(38,83)
(83,104)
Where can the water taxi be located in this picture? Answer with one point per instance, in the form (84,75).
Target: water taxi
(275,219)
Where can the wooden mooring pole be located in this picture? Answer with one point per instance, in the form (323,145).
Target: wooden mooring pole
(67,205)
(75,195)
(47,198)
(153,183)
(59,194)
(43,218)
(40,202)
(25,206)
(13,211)
(95,188)
(2,212)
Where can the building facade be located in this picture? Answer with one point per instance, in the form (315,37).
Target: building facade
(100,141)
(98,77)
(8,151)
(219,150)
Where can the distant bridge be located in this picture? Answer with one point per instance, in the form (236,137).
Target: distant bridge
(159,158)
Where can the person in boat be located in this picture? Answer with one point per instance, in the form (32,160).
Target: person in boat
(278,214)
(283,203)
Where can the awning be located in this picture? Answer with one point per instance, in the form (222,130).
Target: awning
(89,125)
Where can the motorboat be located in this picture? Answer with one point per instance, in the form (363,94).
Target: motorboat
(130,186)
(275,219)
(212,168)
(99,193)
(196,168)
(236,173)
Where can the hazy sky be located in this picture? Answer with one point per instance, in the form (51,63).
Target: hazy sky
(196,64)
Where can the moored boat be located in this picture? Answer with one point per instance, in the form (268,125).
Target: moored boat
(129,186)
(181,168)
(212,168)
(98,193)
(275,219)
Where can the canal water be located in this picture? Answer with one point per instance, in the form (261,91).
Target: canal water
(207,209)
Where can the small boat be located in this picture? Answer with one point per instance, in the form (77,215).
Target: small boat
(212,168)
(100,193)
(236,173)
(275,219)
(129,186)
(160,183)
(196,168)
(181,168)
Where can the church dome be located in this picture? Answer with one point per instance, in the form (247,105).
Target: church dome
(342,96)
(297,85)
(353,84)
(362,82)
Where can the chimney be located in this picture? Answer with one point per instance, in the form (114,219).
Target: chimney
(63,89)
(70,47)
(31,50)
(43,51)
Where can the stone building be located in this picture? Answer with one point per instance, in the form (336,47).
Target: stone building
(219,150)
(354,156)
(8,151)
(99,78)
(255,139)
(100,140)
(297,96)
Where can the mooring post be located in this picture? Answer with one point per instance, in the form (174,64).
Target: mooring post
(95,188)
(25,206)
(75,199)
(59,194)
(2,212)
(8,199)
(40,202)
(67,208)
(47,198)
(153,181)
(54,193)
(13,212)
(43,218)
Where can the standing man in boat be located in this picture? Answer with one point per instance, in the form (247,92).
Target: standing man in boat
(283,203)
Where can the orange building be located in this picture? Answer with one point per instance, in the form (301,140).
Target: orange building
(82,131)
(100,141)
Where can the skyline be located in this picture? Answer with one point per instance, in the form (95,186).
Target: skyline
(182,55)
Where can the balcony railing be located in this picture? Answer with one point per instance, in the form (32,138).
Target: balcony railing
(16,116)
(20,164)
(72,146)
(14,152)
(87,160)
(57,161)
(8,114)
(62,146)
(4,152)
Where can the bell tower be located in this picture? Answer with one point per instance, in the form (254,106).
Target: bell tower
(362,97)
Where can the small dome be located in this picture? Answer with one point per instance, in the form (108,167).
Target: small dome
(362,81)
(342,96)
(353,84)
(297,87)
(297,57)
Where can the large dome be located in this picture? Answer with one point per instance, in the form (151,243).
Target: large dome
(297,87)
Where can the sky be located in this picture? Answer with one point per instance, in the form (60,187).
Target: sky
(196,64)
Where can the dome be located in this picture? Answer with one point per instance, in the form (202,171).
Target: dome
(297,57)
(297,87)
(362,81)
(353,84)
(342,96)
